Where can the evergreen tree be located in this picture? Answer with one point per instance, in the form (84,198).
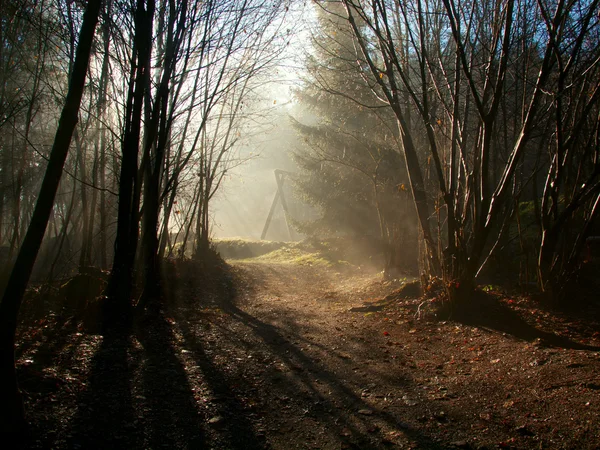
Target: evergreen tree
(350,168)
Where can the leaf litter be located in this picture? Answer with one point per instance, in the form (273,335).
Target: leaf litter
(281,356)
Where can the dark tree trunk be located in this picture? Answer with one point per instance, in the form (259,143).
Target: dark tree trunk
(158,132)
(121,279)
(12,415)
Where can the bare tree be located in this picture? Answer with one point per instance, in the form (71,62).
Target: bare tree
(185,60)
(571,192)
(12,415)
(458,90)
(121,280)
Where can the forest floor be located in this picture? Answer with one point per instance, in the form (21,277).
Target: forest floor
(276,354)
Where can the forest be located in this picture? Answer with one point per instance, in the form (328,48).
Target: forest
(426,176)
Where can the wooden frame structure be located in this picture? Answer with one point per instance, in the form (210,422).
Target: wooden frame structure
(279,197)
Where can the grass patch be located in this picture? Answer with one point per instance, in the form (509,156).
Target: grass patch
(238,248)
(339,252)
(300,253)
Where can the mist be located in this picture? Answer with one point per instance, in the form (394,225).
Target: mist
(264,224)
(242,206)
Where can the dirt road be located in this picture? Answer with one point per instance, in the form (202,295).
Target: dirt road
(297,356)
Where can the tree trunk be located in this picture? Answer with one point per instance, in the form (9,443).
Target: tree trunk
(85,210)
(121,279)
(419,195)
(12,414)
(56,250)
(103,124)
(89,239)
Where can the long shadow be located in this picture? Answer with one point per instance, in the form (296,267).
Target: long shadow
(305,372)
(486,311)
(236,430)
(39,380)
(54,334)
(138,397)
(174,419)
(105,415)
(48,341)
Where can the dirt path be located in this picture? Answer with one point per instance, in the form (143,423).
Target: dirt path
(287,356)
(299,358)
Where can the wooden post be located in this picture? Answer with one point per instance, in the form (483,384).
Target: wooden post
(279,174)
(279,196)
(270,216)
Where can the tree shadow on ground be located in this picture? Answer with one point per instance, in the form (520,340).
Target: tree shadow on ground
(232,417)
(138,395)
(488,312)
(233,427)
(302,382)
(37,360)
(171,415)
(49,342)
(105,416)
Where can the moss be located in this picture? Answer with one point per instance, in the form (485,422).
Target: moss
(238,248)
(339,252)
(297,254)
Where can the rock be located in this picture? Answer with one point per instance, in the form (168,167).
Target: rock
(409,401)
(365,412)
(217,420)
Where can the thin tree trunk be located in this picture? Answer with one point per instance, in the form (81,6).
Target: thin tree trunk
(85,211)
(102,116)
(89,239)
(57,248)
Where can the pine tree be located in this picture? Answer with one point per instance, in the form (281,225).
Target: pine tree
(350,168)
